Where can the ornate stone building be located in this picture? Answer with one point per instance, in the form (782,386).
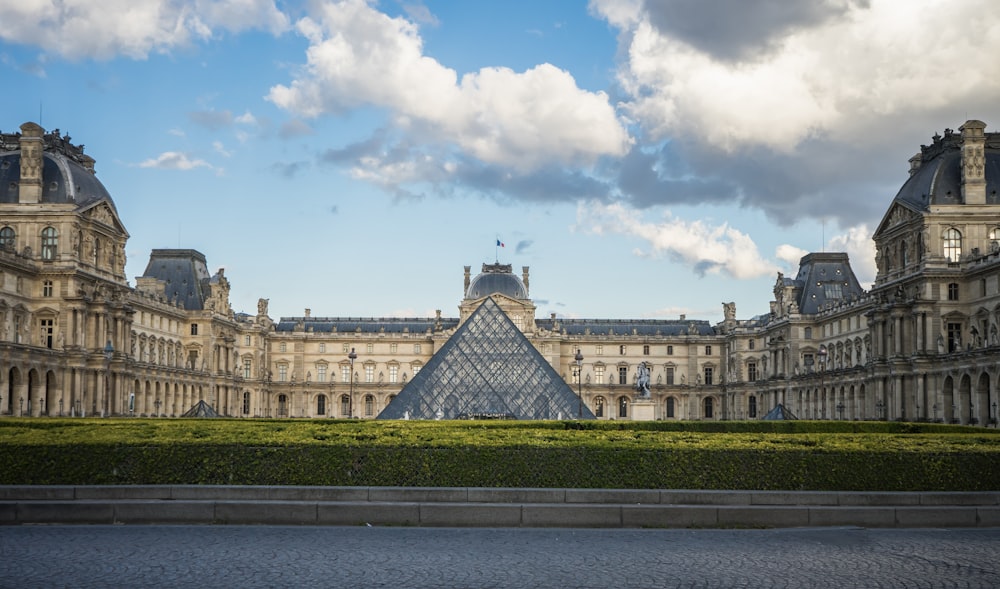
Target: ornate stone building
(922,344)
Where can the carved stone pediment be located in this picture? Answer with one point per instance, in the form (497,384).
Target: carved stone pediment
(105,215)
(896,216)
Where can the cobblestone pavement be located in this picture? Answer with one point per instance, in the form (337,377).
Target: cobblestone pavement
(275,556)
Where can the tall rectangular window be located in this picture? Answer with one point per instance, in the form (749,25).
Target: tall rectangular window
(708,375)
(708,350)
(47,288)
(599,350)
(670,350)
(322,348)
(369,373)
(370,348)
(47,328)
(394,373)
(247,366)
(347,348)
(954,337)
(282,372)
(321,373)
(282,347)
(194,329)
(622,375)
(416,348)
(645,350)
(246,340)
(393,347)
(953,291)
(345,373)
(622,350)
(599,374)
(670,375)
(752,371)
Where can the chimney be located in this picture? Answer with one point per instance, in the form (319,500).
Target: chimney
(524,279)
(30,185)
(973,162)
(468,270)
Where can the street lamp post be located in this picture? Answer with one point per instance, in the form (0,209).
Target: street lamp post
(579,383)
(350,403)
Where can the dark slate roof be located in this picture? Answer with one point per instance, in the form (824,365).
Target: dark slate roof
(487,369)
(365,324)
(64,180)
(938,181)
(185,273)
(496,278)
(618,327)
(826,278)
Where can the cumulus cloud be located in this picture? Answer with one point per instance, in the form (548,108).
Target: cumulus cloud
(87,29)
(800,111)
(705,249)
(174,160)
(860,248)
(523,120)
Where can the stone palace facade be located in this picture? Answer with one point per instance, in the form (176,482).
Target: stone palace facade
(76,339)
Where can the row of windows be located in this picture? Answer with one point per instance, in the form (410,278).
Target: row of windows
(369,348)
(623,371)
(623,350)
(50,241)
(345,372)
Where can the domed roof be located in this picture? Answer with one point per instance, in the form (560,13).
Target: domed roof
(936,175)
(67,173)
(496,278)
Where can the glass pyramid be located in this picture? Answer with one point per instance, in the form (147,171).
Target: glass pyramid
(486,370)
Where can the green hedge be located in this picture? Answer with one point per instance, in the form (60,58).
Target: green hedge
(873,456)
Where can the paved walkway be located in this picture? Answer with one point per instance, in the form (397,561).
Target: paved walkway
(281,556)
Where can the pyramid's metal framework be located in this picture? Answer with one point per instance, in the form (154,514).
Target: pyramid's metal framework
(487,370)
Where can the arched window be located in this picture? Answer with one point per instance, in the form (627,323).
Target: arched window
(599,407)
(50,241)
(282,405)
(321,405)
(345,406)
(671,409)
(752,403)
(623,407)
(246,403)
(709,405)
(7,238)
(952,245)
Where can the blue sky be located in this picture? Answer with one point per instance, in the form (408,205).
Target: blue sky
(645,159)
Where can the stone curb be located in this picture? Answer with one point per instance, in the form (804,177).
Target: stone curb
(489,507)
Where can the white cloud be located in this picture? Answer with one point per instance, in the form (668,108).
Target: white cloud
(221,149)
(359,56)
(174,160)
(246,118)
(706,249)
(860,248)
(836,78)
(104,29)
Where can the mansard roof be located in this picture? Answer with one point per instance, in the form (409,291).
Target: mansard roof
(486,369)
(936,175)
(185,273)
(67,173)
(826,278)
(624,327)
(365,324)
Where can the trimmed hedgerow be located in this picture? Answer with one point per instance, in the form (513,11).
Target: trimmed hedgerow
(873,456)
